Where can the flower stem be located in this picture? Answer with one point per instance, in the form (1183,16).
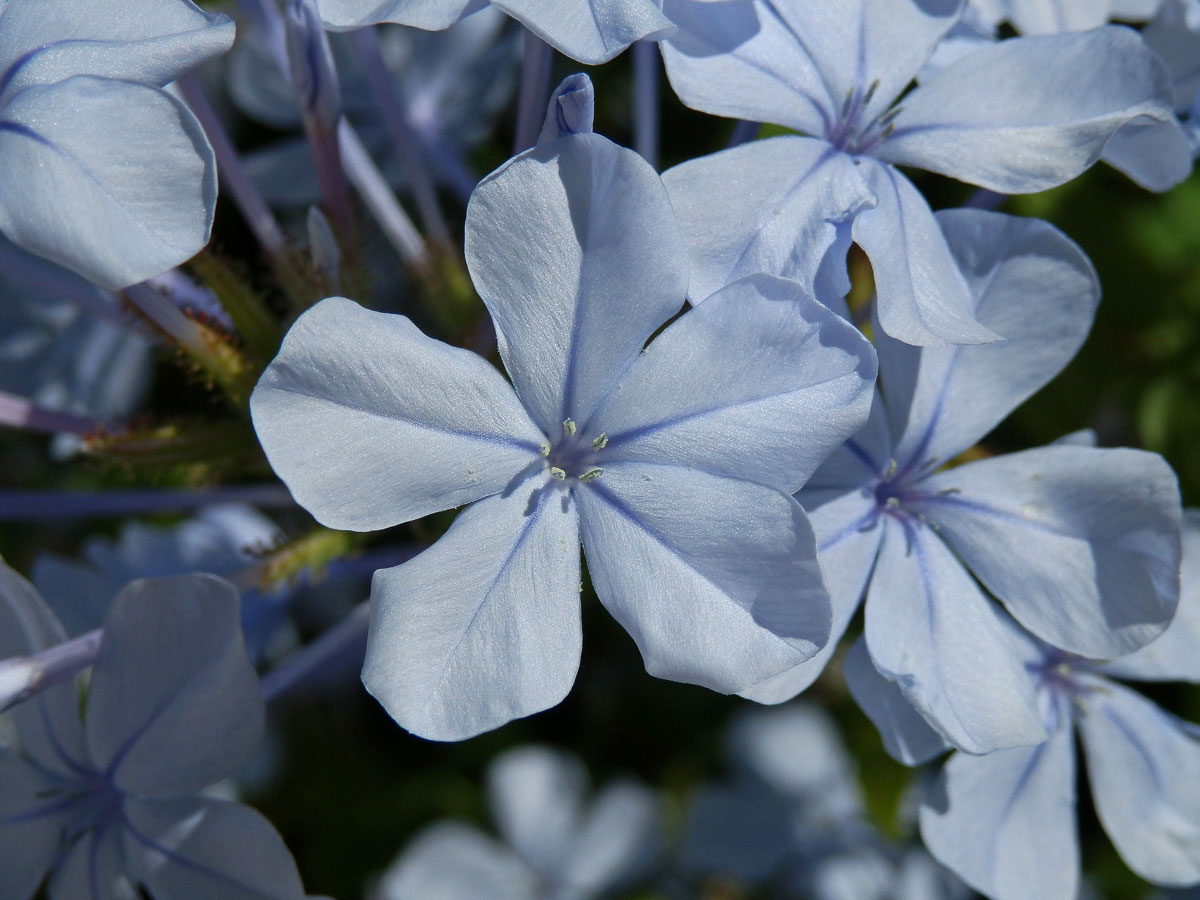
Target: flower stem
(534,91)
(645,100)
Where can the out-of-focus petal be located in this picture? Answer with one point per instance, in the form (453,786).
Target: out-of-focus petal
(589,31)
(451,861)
(536,795)
(173,704)
(431,15)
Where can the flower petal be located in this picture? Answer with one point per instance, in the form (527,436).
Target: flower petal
(195,848)
(1027,114)
(907,737)
(174,703)
(92,868)
(743,60)
(152,41)
(1172,655)
(765,206)
(431,15)
(931,629)
(589,31)
(847,542)
(716,579)
(786,381)
(452,861)
(26,822)
(617,839)
(483,627)
(536,795)
(1005,822)
(1030,284)
(370,423)
(1096,531)
(922,297)
(1144,769)
(574,249)
(1156,155)
(66,190)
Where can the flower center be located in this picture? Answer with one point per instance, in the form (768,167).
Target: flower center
(573,456)
(852,131)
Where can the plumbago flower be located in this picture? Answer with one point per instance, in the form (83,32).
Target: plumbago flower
(794,815)
(1053,16)
(111,803)
(1080,545)
(673,462)
(560,848)
(588,31)
(1006,821)
(1016,116)
(220,539)
(104,172)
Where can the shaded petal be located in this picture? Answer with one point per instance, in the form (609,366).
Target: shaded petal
(922,297)
(1030,284)
(785,380)
(1156,155)
(1005,822)
(859,43)
(536,795)
(153,41)
(198,849)
(1027,114)
(1172,655)
(47,724)
(932,630)
(743,60)
(483,627)
(26,821)
(93,868)
(743,830)
(616,841)
(574,249)
(847,542)
(451,861)
(765,206)
(854,466)
(173,704)
(907,737)
(67,191)
(589,31)
(370,423)
(1144,769)
(1041,17)
(432,15)
(716,579)
(1097,533)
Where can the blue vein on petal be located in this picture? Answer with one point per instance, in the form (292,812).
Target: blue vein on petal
(1139,747)
(20,61)
(531,519)
(820,110)
(495,439)
(180,859)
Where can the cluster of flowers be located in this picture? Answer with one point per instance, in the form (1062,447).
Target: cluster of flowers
(690,397)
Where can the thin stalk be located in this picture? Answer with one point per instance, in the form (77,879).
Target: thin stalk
(645,100)
(23,676)
(50,505)
(347,636)
(232,172)
(377,195)
(395,118)
(167,317)
(534,91)
(743,132)
(20,412)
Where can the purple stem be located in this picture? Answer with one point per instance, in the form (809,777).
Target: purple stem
(534,91)
(645,100)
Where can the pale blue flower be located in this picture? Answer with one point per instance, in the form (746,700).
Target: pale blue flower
(111,802)
(1016,116)
(588,31)
(1079,544)
(559,846)
(104,172)
(1006,822)
(672,462)
(1055,16)
(793,817)
(220,539)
